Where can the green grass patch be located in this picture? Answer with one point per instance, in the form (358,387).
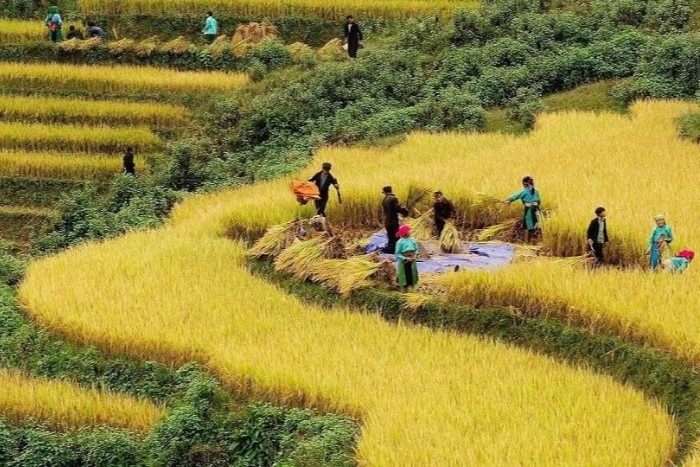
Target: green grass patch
(35,192)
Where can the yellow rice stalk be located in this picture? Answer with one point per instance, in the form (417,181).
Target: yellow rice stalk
(177,46)
(504,230)
(345,275)
(37,137)
(61,165)
(121,46)
(332,51)
(414,301)
(65,406)
(417,199)
(219,47)
(71,45)
(117,78)
(449,240)
(299,258)
(274,9)
(254,33)
(62,110)
(422,227)
(146,47)
(276,239)
(89,44)
(299,49)
(17,31)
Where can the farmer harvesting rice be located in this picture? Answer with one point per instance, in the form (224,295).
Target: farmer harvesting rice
(443,210)
(679,263)
(353,36)
(659,242)
(392,208)
(74,33)
(54,22)
(598,234)
(531,201)
(211,28)
(96,31)
(323,180)
(128,160)
(406,252)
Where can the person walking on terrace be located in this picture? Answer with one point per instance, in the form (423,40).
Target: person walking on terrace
(392,208)
(55,24)
(129,165)
(324,180)
(659,242)
(211,28)
(597,234)
(406,253)
(530,198)
(353,36)
(443,210)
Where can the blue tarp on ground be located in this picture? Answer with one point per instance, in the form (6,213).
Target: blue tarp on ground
(481,256)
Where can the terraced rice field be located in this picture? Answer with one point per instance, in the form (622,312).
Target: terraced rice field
(64,406)
(277,8)
(419,393)
(17,31)
(48,141)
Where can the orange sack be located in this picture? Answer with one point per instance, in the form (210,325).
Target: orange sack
(305,191)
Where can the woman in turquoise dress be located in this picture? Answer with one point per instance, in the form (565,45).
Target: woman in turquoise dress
(661,238)
(406,253)
(530,198)
(55,24)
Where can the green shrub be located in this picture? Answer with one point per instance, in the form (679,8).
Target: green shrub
(524,107)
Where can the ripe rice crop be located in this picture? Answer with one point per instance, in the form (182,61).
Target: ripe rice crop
(37,136)
(81,111)
(16,31)
(60,165)
(63,405)
(108,79)
(277,8)
(424,397)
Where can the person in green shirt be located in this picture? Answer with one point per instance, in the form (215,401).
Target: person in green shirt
(211,28)
(659,242)
(530,198)
(55,24)
(406,253)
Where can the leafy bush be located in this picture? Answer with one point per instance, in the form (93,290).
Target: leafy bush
(689,127)
(524,107)
(11,268)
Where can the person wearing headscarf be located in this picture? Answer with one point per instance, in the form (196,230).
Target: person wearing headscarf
(659,241)
(55,24)
(679,263)
(406,253)
(530,198)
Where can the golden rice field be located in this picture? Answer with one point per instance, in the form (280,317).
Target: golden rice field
(15,31)
(61,165)
(108,79)
(424,397)
(64,406)
(277,8)
(82,111)
(38,137)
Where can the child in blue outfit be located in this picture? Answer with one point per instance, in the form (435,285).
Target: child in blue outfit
(679,263)
(659,242)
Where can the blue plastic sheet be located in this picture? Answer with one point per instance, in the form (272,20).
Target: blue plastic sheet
(481,256)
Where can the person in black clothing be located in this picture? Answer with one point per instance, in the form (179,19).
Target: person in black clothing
(392,208)
(74,33)
(598,234)
(129,165)
(323,180)
(96,31)
(443,210)
(353,36)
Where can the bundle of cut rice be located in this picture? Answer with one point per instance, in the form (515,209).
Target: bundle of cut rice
(70,45)
(255,33)
(301,258)
(332,51)
(334,248)
(414,301)
(276,239)
(121,46)
(385,273)
(177,46)
(146,47)
(219,47)
(347,275)
(449,239)
(422,227)
(417,199)
(504,231)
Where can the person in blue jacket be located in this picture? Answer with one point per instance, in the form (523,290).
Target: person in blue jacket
(531,200)
(679,263)
(55,24)
(659,241)
(211,28)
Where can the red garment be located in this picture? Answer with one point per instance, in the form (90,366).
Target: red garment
(687,254)
(305,191)
(404,231)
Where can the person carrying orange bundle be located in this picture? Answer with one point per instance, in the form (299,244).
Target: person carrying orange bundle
(323,180)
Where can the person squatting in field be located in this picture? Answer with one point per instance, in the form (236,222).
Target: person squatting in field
(353,36)
(443,210)
(392,208)
(55,24)
(323,180)
(679,263)
(597,234)
(406,253)
(530,198)
(659,241)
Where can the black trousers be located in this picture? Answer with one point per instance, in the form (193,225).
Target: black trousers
(54,35)
(391,230)
(408,270)
(321,206)
(598,251)
(439,225)
(353,46)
